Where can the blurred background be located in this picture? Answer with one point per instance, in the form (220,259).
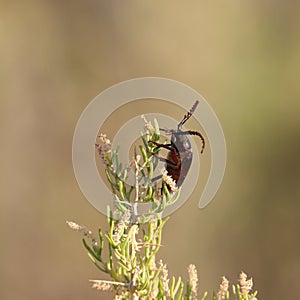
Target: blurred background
(242,56)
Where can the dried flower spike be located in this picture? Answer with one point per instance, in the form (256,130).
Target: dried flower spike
(82,229)
(246,285)
(164,277)
(169,181)
(148,124)
(223,289)
(193,279)
(105,141)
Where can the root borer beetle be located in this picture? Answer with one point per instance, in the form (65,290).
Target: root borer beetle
(179,157)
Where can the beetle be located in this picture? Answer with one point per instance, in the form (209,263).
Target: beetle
(179,157)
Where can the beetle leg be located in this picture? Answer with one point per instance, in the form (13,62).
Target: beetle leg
(167,161)
(169,147)
(156,178)
(166,146)
(167,131)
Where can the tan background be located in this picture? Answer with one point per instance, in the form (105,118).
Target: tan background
(242,56)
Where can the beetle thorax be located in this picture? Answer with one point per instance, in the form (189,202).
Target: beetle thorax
(181,142)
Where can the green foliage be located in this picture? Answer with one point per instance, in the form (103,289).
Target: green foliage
(127,250)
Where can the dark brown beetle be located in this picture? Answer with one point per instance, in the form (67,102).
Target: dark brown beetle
(179,158)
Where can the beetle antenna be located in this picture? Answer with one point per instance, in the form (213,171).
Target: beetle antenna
(188,115)
(168,131)
(192,132)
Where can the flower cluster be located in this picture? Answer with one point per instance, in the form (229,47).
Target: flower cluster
(223,290)
(104,149)
(193,281)
(148,126)
(82,229)
(164,277)
(171,183)
(246,285)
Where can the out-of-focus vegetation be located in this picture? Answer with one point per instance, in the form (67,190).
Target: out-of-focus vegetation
(244,57)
